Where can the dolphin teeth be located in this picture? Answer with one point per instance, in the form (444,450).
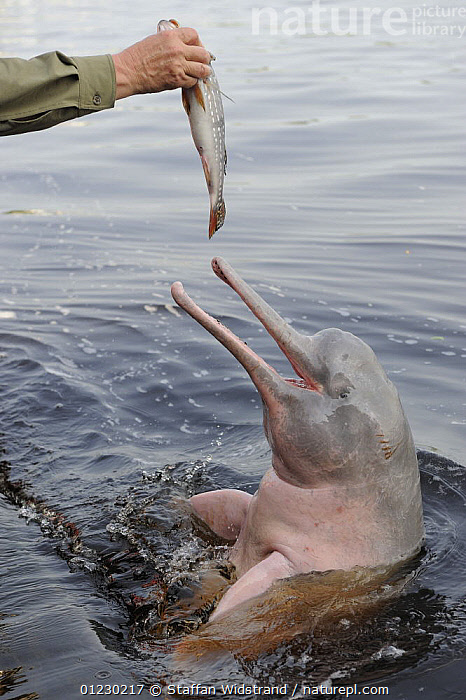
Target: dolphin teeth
(302,384)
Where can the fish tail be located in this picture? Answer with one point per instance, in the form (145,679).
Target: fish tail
(217,217)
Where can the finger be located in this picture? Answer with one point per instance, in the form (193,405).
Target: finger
(189,82)
(197,54)
(189,36)
(197,70)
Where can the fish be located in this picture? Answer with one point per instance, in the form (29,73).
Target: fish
(204,107)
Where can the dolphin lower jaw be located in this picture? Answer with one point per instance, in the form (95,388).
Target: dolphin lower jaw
(266,379)
(260,372)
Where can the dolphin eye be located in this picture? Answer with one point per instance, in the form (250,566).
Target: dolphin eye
(340,386)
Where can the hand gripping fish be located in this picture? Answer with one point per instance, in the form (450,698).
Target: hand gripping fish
(203,105)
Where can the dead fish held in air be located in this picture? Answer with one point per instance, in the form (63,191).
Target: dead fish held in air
(203,105)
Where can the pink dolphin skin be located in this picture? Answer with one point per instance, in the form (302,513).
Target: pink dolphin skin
(343,489)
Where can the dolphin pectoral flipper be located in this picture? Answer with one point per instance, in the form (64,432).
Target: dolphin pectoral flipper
(224,510)
(255,581)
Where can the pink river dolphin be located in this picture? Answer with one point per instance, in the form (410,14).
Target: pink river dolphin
(343,490)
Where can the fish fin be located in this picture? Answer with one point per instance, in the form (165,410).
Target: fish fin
(205,167)
(225,158)
(185,101)
(199,96)
(173,21)
(217,217)
(228,98)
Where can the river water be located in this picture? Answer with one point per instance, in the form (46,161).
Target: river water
(345,207)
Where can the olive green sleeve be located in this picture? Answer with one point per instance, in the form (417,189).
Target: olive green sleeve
(53,88)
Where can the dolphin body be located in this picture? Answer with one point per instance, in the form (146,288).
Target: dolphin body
(343,490)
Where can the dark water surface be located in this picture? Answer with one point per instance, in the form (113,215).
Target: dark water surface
(345,207)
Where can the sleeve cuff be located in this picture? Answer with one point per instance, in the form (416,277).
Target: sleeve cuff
(97,83)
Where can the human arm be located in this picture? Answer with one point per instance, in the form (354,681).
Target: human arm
(52,88)
(162,61)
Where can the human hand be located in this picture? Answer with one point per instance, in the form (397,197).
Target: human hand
(162,61)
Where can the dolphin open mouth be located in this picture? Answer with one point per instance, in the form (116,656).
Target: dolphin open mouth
(289,341)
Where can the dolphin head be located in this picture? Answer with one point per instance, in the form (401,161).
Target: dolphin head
(339,421)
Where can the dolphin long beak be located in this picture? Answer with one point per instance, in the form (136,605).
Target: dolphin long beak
(266,379)
(262,374)
(288,340)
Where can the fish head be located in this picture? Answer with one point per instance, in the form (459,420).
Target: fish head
(165,24)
